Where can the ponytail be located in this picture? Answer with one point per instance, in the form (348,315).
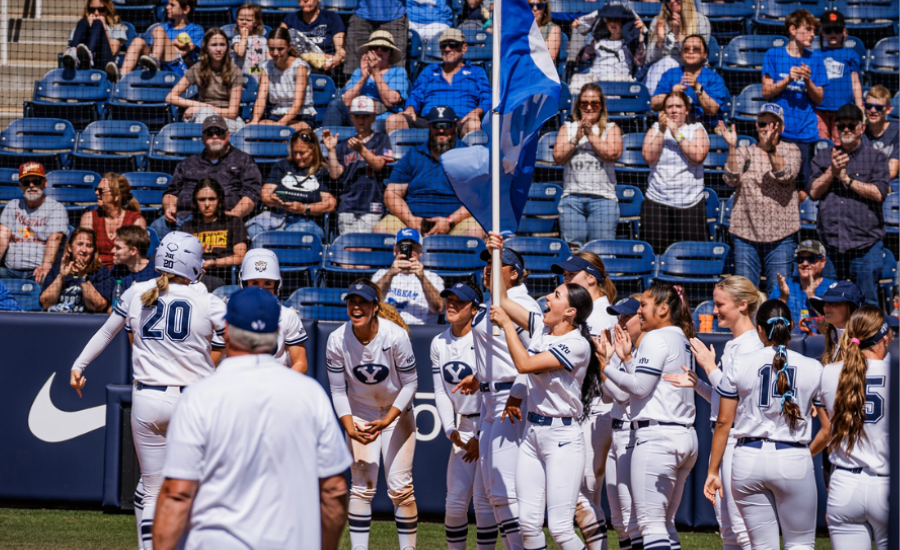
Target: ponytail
(604,282)
(834,351)
(385,311)
(150,297)
(580,299)
(679,311)
(775,318)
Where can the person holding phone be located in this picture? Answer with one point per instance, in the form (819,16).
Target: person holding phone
(407,285)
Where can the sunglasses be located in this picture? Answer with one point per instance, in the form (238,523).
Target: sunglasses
(379,48)
(843,127)
(832,30)
(31,181)
(442,126)
(692,49)
(101,10)
(879,108)
(800,260)
(540,6)
(451,45)
(591,104)
(306,136)
(99,191)
(210,132)
(760,124)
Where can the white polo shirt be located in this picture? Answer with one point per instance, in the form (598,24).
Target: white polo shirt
(257,437)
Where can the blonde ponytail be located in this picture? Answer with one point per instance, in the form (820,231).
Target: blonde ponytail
(150,297)
(386,311)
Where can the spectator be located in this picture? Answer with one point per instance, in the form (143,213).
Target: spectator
(376,15)
(674,209)
(376,78)
(7,300)
(765,216)
(413,291)
(131,264)
(429,18)
(285,89)
(324,28)
(454,83)
(249,47)
(796,290)
(232,168)
(298,190)
(219,84)
(850,182)
(476,14)
(837,304)
(588,147)
(357,164)
(703,85)
(418,194)
(164,45)
(880,133)
(842,69)
(677,20)
(550,31)
(98,35)
(78,282)
(794,77)
(116,208)
(224,238)
(612,59)
(31,228)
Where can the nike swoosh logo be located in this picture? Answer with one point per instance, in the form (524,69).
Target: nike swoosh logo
(386,349)
(564,444)
(52,425)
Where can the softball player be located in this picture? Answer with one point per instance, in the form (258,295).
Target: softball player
(588,270)
(855,392)
(452,359)
(837,304)
(665,441)
(563,374)
(172,327)
(372,373)
(260,268)
(769,395)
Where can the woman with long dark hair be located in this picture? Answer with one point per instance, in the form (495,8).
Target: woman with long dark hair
(96,38)
(285,89)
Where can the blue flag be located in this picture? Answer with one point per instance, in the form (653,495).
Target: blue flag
(529,96)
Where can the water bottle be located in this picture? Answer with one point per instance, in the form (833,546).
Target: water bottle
(117,292)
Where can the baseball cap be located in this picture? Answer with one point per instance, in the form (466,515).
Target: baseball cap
(576,263)
(366,292)
(362,105)
(441,113)
(833,20)
(841,291)
(628,306)
(32,169)
(214,121)
(462,291)
(452,35)
(253,309)
(849,112)
(409,234)
(811,246)
(507,257)
(774,110)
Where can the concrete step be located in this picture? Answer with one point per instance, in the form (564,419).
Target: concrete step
(28,8)
(55,27)
(20,75)
(28,51)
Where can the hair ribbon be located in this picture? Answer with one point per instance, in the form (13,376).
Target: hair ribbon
(771,322)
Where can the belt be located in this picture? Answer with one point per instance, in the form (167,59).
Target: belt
(498,386)
(622,424)
(142,386)
(757,443)
(476,415)
(548,420)
(859,471)
(648,423)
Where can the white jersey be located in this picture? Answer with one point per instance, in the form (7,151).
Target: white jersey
(453,359)
(621,405)
(599,321)
(873,451)
(492,360)
(366,380)
(172,340)
(557,392)
(753,382)
(290,333)
(742,345)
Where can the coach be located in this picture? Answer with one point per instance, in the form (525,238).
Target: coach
(249,465)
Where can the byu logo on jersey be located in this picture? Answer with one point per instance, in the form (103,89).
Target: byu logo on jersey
(455,371)
(482,311)
(370,373)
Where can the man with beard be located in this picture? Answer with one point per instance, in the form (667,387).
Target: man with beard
(234,169)
(31,229)
(418,194)
(850,182)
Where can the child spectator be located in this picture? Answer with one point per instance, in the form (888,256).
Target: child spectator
(130,262)
(612,59)
(97,36)
(842,67)
(880,132)
(249,46)
(116,208)
(324,28)
(78,282)
(285,90)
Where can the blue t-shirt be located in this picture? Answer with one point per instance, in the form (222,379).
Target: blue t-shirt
(888,142)
(424,12)
(801,123)
(361,187)
(470,89)
(798,302)
(320,31)
(381,10)
(429,193)
(840,63)
(713,86)
(396,80)
(71,296)
(196,32)
(7,300)
(121,273)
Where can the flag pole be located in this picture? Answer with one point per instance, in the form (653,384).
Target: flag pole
(496,264)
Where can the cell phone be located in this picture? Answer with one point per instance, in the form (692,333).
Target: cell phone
(426,226)
(406,249)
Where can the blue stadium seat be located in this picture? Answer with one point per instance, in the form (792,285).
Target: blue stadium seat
(895,112)
(627,103)
(742,59)
(154,242)
(728,19)
(27,293)
(704,312)
(73,178)
(770,14)
(299,255)
(565,102)
(140,17)
(406,139)
(141,96)
(715,52)
(8,190)
(225,292)
(455,258)
(229,30)
(214,13)
(712,211)
(342,132)
(172,144)
(249,92)
(476,137)
(714,163)
(809,212)
(871,20)
(562,58)
(884,62)
(45,140)
(324,91)
(695,265)
(645,10)
(274,11)
(321,304)
(413,51)
(888,279)
(746,106)
(891,211)
(725,220)
(355,255)
(631,168)
(546,169)
(630,200)
(266,143)
(344,7)
(850,42)
(77,200)
(148,188)
(9,177)
(629,264)
(539,254)
(112,146)
(541,211)
(77,96)
(574,6)
(477,37)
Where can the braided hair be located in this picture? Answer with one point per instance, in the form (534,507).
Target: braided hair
(774,317)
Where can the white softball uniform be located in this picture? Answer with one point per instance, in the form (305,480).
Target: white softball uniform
(772,462)
(859,489)
(551,457)
(665,444)
(171,350)
(366,381)
(618,462)
(453,359)
(290,333)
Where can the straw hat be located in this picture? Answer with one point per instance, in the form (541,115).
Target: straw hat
(381,38)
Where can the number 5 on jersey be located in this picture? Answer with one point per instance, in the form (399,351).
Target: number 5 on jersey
(177,317)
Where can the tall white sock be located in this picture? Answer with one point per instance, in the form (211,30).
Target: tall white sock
(457,529)
(508,517)
(139,510)
(486,531)
(407,517)
(360,520)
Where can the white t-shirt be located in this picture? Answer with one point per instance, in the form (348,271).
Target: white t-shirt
(258,438)
(611,57)
(742,345)
(873,451)
(408,297)
(586,173)
(453,359)
(290,333)
(673,180)
(557,392)
(282,85)
(30,229)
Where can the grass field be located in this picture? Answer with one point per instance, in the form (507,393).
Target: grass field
(80,530)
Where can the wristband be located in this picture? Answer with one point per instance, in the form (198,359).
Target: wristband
(451,222)
(80,280)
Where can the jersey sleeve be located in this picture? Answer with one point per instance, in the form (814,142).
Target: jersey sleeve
(185,441)
(121,308)
(727,386)
(294,333)
(332,454)
(441,399)
(334,363)
(648,367)
(405,363)
(535,324)
(570,352)
(99,341)
(217,318)
(818,397)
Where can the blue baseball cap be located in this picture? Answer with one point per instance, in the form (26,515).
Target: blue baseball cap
(628,306)
(462,291)
(773,109)
(253,309)
(366,292)
(508,257)
(409,234)
(441,113)
(577,263)
(842,291)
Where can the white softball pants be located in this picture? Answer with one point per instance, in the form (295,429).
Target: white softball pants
(618,487)
(465,483)
(731,524)
(396,446)
(858,510)
(589,515)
